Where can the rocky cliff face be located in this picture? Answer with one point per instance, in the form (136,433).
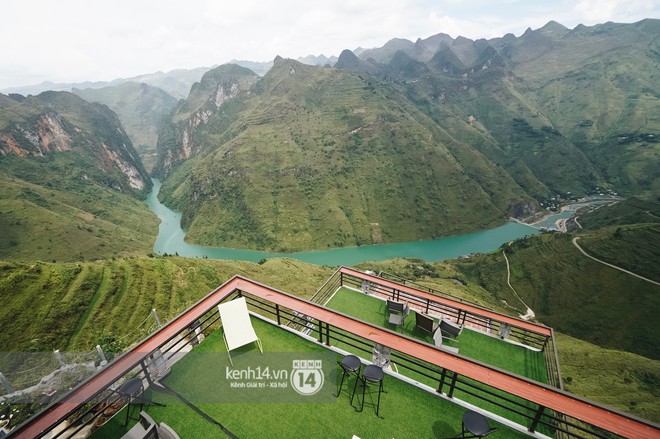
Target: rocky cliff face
(313,157)
(51,123)
(219,87)
(423,139)
(44,136)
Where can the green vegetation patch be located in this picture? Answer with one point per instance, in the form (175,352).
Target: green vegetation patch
(472,344)
(74,306)
(575,294)
(401,404)
(619,379)
(69,219)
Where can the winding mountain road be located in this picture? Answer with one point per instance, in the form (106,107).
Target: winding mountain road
(529,314)
(610,265)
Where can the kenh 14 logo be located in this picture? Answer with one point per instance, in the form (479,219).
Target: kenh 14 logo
(307,376)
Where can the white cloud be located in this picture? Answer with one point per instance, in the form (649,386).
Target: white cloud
(78,40)
(599,11)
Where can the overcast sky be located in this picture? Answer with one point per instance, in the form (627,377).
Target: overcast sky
(78,40)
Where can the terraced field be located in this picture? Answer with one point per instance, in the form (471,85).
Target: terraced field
(72,307)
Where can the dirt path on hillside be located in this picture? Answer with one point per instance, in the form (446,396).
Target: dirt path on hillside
(529,314)
(610,265)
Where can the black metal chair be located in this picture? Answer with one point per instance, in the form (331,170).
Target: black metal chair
(451,328)
(426,323)
(371,374)
(131,390)
(398,312)
(350,364)
(476,425)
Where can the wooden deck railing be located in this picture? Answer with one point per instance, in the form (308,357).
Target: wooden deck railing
(544,398)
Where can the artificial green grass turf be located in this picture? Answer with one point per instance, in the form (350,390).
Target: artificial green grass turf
(407,411)
(472,344)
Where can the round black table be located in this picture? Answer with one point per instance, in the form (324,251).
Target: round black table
(475,423)
(132,387)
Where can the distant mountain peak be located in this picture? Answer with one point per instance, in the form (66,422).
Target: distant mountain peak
(462,40)
(347,60)
(554,29)
(552,25)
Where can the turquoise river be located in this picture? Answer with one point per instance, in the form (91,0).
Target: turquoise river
(171,241)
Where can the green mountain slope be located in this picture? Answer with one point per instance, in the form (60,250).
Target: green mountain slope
(414,140)
(629,211)
(75,306)
(578,108)
(577,295)
(140,108)
(315,158)
(71,182)
(75,221)
(619,379)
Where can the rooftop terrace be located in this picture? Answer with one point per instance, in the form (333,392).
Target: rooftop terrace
(427,398)
(473,343)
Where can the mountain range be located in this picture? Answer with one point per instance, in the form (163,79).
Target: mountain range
(176,83)
(408,141)
(70,181)
(414,140)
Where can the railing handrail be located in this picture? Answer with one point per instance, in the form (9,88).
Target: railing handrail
(469,308)
(420,287)
(545,396)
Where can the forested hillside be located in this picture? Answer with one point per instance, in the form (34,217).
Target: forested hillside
(70,182)
(577,295)
(414,140)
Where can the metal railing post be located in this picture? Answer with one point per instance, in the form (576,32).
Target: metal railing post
(153,311)
(441,384)
(452,385)
(536,419)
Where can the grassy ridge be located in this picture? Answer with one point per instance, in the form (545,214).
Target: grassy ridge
(576,295)
(70,306)
(620,246)
(69,221)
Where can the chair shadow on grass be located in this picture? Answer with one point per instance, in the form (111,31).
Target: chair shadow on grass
(442,429)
